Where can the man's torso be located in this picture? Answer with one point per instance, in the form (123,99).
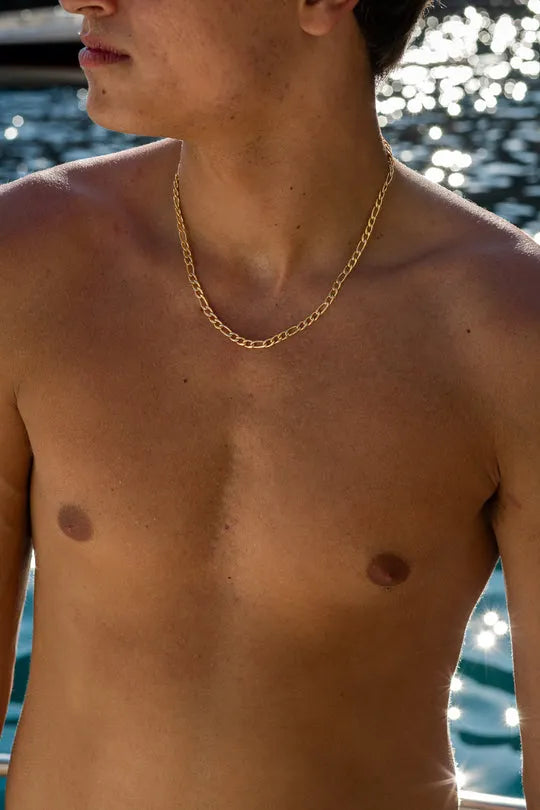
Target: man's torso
(254,567)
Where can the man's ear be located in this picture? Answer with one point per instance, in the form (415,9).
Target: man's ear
(319,17)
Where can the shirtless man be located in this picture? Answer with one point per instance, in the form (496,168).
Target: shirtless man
(255,566)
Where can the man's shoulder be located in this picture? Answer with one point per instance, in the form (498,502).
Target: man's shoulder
(493,274)
(490,290)
(482,275)
(44,212)
(455,220)
(472,243)
(115,161)
(48,220)
(54,191)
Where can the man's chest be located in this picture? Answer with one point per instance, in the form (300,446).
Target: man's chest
(154,435)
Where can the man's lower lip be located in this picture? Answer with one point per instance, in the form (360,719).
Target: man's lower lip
(88,57)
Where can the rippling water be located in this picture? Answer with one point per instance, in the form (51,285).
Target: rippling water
(463,109)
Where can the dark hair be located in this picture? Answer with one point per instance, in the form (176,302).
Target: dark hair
(387,26)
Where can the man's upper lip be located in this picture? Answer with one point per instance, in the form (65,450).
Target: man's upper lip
(100,45)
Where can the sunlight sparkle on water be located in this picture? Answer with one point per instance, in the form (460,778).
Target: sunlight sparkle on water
(461,779)
(491,618)
(474,65)
(485,639)
(501,628)
(456,179)
(456,684)
(434,174)
(511,717)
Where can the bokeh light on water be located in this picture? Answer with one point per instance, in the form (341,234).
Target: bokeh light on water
(463,107)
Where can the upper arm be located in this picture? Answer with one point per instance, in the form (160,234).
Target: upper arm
(516,519)
(15,459)
(15,545)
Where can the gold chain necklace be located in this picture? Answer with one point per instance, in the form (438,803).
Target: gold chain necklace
(292,330)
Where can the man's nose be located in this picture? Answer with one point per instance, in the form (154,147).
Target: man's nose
(96,7)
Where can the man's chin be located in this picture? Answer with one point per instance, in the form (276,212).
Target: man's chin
(107,115)
(104,108)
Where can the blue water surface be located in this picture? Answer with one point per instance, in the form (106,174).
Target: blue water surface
(463,109)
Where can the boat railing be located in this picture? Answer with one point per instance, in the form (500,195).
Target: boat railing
(468,800)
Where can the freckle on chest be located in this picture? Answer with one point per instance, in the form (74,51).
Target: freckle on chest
(74,522)
(388,569)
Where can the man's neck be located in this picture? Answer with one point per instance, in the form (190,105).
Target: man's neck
(288,204)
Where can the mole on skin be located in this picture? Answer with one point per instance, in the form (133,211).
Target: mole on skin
(388,569)
(75,522)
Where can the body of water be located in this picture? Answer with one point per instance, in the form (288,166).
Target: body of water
(463,109)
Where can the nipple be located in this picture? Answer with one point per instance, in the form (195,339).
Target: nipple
(74,522)
(388,569)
